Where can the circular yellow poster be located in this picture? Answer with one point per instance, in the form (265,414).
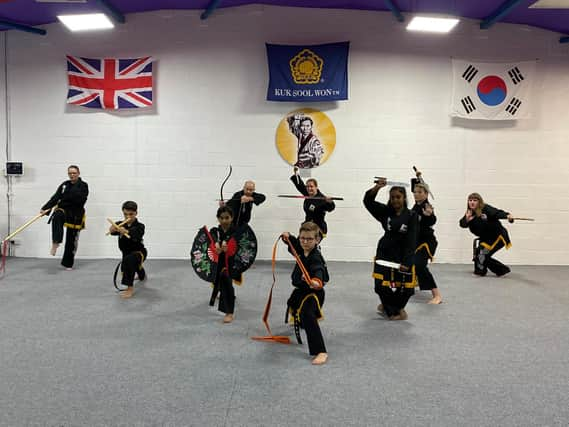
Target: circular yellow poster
(306,138)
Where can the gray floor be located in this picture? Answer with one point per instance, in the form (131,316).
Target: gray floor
(72,353)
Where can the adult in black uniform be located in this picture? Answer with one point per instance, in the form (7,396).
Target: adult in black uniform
(398,244)
(316,204)
(483,221)
(131,244)
(426,241)
(68,203)
(241,203)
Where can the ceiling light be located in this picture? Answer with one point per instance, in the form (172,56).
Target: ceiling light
(550,4)
(433,25)
(91,21)
(61,1)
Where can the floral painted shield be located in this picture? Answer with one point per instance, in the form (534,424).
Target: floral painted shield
(246,249)
(243,249)
(203,255)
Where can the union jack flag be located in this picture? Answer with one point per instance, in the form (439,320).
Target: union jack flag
(109,83)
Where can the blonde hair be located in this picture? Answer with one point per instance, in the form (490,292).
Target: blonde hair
(476,196)
(424,186)
(309,227)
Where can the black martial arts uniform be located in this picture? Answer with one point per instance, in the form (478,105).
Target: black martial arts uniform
(133,252)
(225,275)
(492,237)
(242,211)
(426,244)
(69,201)
(305,304)
(314,209)
(397,245)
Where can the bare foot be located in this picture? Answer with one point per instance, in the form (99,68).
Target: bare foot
(380,309)
(53,249)
(435,300)
(320,359)
(128,293)
(401,316)
(228,318)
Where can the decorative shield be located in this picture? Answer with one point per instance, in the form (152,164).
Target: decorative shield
(203,255)
(246,249)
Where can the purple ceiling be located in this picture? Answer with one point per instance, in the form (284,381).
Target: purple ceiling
(31,13)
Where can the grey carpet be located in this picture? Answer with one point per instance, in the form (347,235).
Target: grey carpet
(72,353)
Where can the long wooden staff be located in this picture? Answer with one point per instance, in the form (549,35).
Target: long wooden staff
(117,226)
(6,241)
(516,218)
(27,224)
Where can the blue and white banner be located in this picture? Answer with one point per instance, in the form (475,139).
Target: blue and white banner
(308,73)
(492,90)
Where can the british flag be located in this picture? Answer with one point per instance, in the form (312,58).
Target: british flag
(109,83)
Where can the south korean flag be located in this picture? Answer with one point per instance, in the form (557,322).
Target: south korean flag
(492,90)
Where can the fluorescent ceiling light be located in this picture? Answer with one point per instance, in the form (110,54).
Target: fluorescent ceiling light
(61,1)
(551,4)
(91,21)
(433,25)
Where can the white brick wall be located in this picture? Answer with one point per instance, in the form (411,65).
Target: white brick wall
(210,87)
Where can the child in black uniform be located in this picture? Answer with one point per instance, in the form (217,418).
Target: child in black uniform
(131,244)
(306,300)
(225,247)
(398,244)
(426,241)
(483,221)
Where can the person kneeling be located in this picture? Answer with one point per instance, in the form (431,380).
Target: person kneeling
(131,244)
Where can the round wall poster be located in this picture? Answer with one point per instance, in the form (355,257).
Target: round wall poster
(306,138)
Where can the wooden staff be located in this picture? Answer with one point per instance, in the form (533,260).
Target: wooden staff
(517,218)
(117,226)
(27,224)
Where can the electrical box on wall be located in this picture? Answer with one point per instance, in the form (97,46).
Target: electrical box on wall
(14,168)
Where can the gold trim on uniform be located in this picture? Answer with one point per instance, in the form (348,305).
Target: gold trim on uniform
(296,314)
(500,237)
(74,226)
(384,282)
(426,246)
(141,259)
